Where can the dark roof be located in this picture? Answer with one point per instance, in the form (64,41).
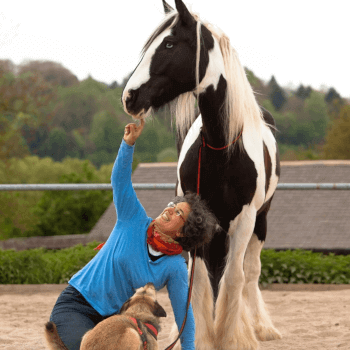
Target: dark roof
(317,220)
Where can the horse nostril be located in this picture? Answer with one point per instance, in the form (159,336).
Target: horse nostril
(131,96)
(130,99)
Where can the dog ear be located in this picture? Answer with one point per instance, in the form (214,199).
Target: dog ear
(158,310)
(125,306)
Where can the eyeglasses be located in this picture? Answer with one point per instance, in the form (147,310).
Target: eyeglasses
(177,211)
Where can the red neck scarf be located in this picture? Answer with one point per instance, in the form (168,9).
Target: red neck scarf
(155,240)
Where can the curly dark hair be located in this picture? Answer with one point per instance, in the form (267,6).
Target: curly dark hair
(200,225)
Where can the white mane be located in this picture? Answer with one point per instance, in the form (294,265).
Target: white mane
(240,105)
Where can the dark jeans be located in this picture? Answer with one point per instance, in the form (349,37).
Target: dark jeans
(73,317)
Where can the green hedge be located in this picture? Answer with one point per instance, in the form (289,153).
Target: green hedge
(39,266)
(303,266)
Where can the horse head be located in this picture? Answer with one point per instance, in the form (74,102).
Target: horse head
(187,60)
(168,66)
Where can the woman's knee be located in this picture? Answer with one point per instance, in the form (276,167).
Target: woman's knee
(73,317)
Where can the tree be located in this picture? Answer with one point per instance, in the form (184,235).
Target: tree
(106,132)
(7,66)
(334,108)
(316,118)
(303,92)
(52,72)
(12,144)
(149,142)
(257,85)
(56,145)
(301,122)
(34,132)
(331,95)
(27,93)
(167,155)
(23,101)
(75,110)
(22,118)
(338,136)
(125,80)
(113,85)
(70,212)
(277,94)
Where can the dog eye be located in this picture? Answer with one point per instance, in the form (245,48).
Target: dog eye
(169,45)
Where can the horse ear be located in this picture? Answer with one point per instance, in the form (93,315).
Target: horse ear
(158,310)
(185,16)
(167,7)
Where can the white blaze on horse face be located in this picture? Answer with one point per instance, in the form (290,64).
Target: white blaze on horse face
(142,73)
(190,138)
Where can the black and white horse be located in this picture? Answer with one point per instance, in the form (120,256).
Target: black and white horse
(191,64)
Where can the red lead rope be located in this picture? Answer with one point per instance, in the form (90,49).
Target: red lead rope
(195,250)
(188,302)
(215,149)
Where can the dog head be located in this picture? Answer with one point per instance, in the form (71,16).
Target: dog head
(144,300)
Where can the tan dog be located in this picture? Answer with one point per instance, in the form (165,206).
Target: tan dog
(139,314)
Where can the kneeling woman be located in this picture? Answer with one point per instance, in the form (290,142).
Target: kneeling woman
(138,251)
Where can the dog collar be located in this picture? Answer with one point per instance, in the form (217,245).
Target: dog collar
(150,327)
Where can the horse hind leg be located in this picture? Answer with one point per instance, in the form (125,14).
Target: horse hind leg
(203,308)
(262,323)
(233,323)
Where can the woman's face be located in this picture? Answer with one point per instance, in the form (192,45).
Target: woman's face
(172,219)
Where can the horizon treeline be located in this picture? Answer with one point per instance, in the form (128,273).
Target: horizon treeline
(55,128)
(46,111)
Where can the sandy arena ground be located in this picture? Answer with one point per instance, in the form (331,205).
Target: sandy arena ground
(309,317)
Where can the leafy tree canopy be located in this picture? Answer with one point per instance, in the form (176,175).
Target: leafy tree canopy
(52,72)
(7,66)
(106,132)
(331,95)
(338,136)
(303,92)
(16,208)
(277,94)
(305,124)
(12,144)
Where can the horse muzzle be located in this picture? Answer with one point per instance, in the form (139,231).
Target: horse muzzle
(134,106)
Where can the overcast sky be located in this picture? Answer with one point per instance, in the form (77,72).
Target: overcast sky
(299,42)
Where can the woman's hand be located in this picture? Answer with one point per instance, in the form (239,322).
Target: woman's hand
(132,132)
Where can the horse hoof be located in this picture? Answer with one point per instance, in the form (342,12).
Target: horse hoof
(268,333)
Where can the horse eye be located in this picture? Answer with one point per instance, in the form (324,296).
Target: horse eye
(169,45)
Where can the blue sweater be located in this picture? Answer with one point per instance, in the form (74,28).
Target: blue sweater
(123,264)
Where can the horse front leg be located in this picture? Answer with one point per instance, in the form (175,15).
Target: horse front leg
(203,308)
(233,324)
(262,323)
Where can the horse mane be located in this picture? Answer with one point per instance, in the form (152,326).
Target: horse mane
(240,107)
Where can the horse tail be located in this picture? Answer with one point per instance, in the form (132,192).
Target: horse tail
(53,340)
